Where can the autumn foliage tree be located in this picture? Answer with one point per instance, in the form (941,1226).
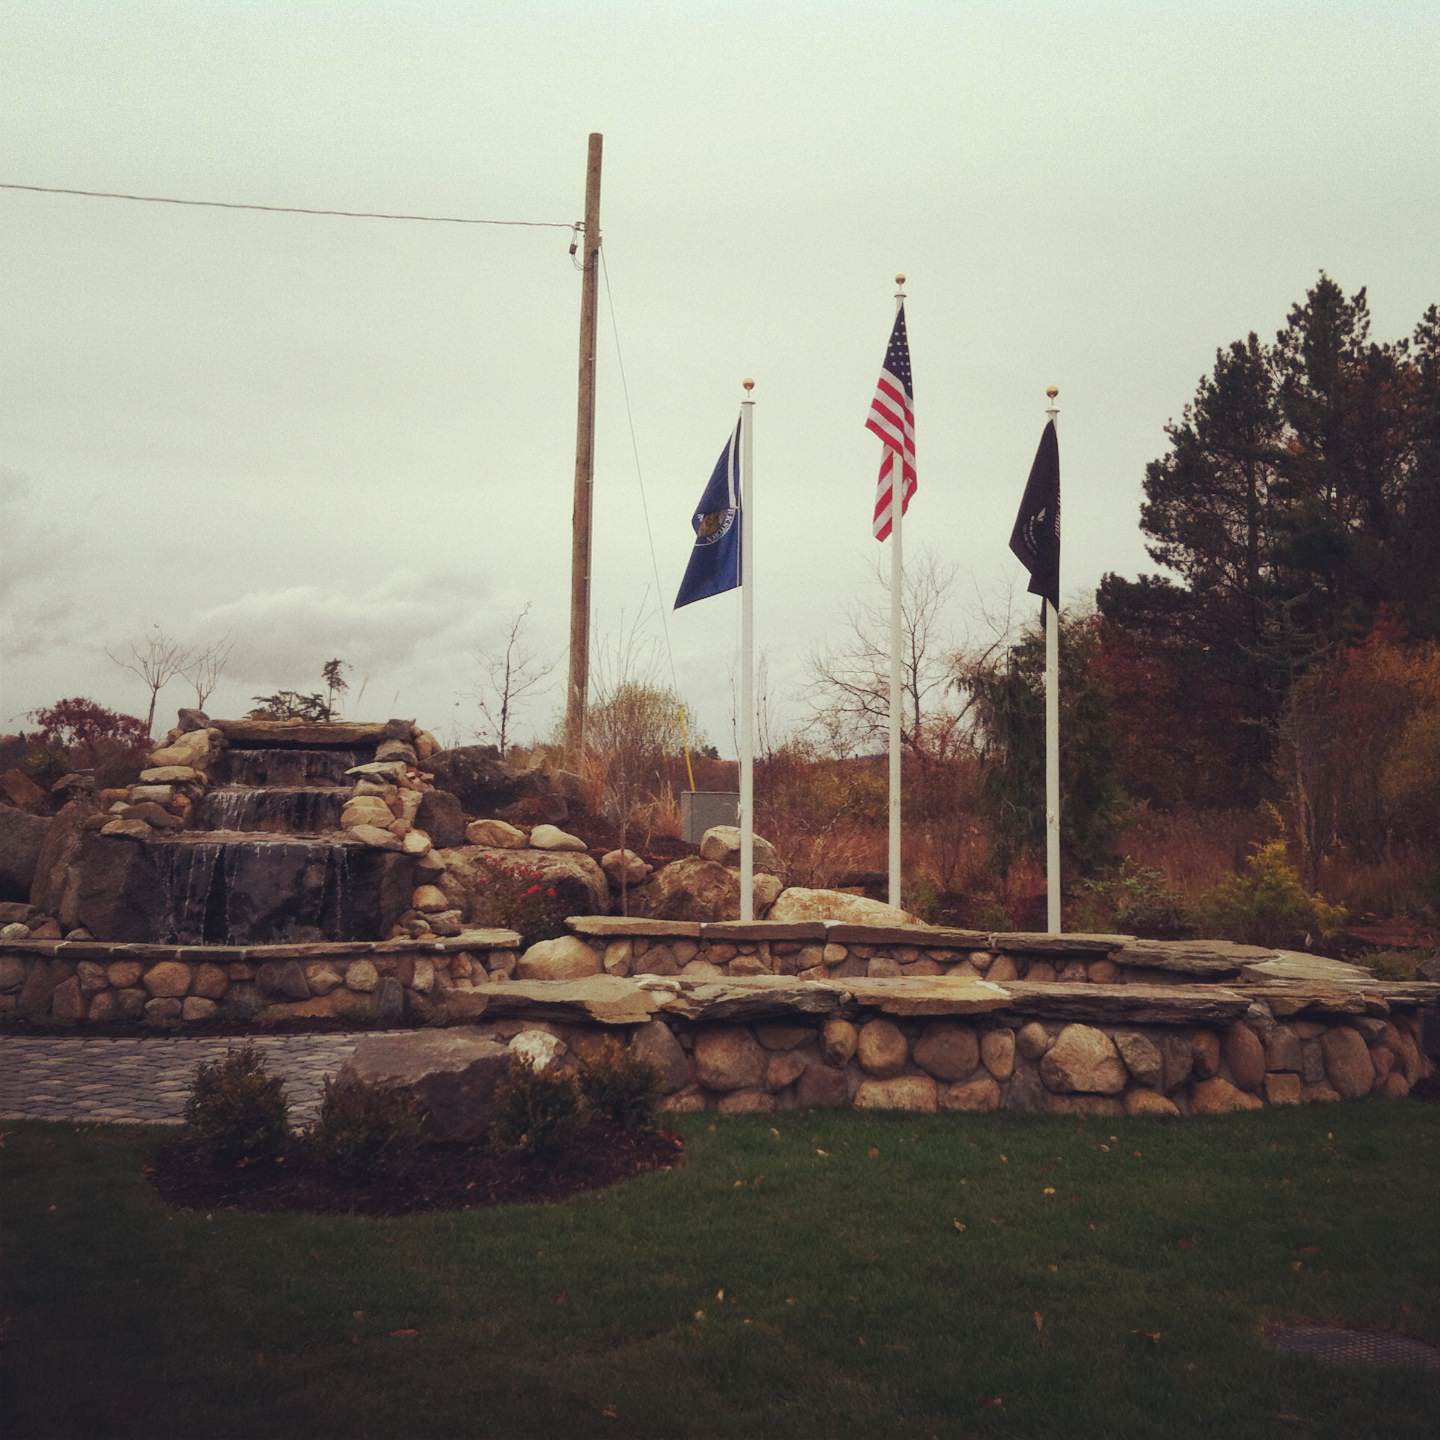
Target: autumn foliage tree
(1360,751)
(79,733)
(78,723)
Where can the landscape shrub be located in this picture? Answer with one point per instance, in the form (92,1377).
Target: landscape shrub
(1132,899)
(534,1112)
(1267,904)
(514,897)
(237,1112)
(620,1087)
(366,1130)
(1393,964)
(77,733)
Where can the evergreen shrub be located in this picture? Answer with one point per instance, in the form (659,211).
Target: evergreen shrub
(533,1112)
(620,1087)
(236,1112)
(366,1130)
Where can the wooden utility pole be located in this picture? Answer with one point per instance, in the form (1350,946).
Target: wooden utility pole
(584,469)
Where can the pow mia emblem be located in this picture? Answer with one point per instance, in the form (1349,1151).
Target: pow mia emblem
(713,525)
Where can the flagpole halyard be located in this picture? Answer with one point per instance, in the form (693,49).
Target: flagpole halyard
(1052,743)
(747,659)
(897,588)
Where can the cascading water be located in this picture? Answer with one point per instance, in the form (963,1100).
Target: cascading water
(290,767)
(291,810)
(265,860)
(251,892)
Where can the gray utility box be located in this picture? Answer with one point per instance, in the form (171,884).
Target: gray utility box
(700,809)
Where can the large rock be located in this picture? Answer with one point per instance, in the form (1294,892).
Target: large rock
(904,1092)
(1149,1102)
(742,997)
(451,1074)
(567,958)
(59,851)
(191,748)
(22,837)
(551,837)
(798,903)
(656,1045)
(822,1088)
(595,999)
(366,810)
(19,790)
(1083,1059)
(441,818)
(948,1051)
(624,867)
(1219,1097)
(728,1057)
(1347,1062)
(1245,1056)
(997,1050)
(689,889)
(543,1050)
(485,785)
(927,995)
(981,1093)
(722,844)
(468,877)
(882,1048)
(171,775)
(120,895)
(1142,1057)
(493,835)
(838,1040)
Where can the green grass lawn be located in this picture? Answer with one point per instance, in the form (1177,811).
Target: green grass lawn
(822,1275)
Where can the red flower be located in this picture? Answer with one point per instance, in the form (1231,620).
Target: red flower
(551,892)
(533,890)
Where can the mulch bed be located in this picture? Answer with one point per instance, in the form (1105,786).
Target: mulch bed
(443,1177)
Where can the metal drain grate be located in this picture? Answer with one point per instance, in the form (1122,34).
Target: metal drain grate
(1352,1347)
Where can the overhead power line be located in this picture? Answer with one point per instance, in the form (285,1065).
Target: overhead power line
(286,209)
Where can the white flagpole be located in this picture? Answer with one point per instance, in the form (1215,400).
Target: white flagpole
(897,596)
(1052,746)
(747,661)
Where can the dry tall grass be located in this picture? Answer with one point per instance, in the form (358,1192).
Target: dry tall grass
(1194,849)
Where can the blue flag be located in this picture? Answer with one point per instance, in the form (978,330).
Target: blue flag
(715,561)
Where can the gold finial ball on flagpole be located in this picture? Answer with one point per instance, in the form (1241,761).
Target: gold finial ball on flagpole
(748,383)
(1052,391)
(899,279)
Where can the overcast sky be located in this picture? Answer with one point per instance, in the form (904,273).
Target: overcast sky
(330,437)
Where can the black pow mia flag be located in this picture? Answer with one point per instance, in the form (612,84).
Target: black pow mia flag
(1035,540)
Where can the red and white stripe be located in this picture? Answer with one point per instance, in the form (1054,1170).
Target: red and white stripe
(892,419)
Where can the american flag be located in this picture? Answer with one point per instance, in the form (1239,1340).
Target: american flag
(893,420)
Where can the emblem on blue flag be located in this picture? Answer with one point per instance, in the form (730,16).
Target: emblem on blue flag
(715,560)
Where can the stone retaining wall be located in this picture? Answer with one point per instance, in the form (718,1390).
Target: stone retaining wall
(821,950)
(883,1047)
(755,1043)
(65,983)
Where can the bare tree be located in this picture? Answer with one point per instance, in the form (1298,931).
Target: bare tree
(850,702)
(157,660)
(767,734)
(632,732)
(205,667)
(506,676)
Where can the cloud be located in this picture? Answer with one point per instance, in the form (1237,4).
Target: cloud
(40,615)
(392,625)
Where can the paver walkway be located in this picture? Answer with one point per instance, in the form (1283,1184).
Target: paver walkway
(146,1079)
